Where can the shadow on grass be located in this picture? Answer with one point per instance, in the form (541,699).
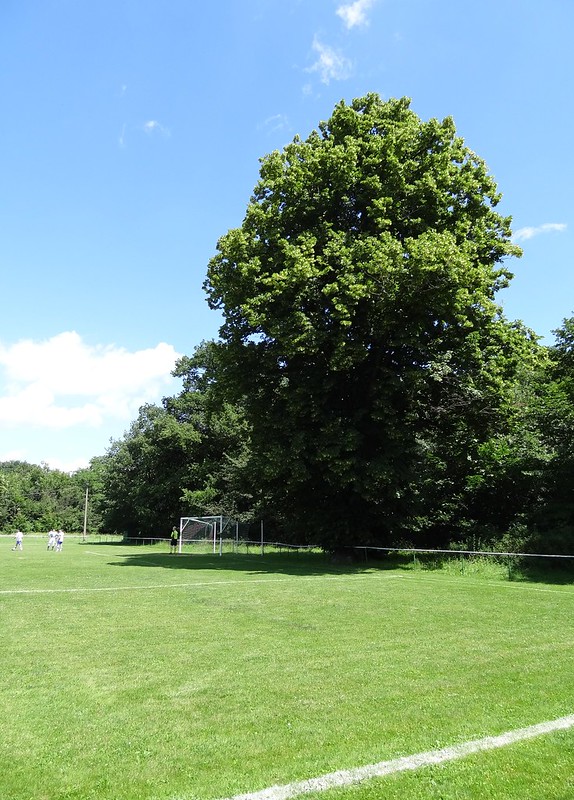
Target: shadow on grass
(275,563)
(528,570)
(553,573)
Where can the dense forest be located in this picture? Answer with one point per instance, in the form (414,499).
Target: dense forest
(366,387)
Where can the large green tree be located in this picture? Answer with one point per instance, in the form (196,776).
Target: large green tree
(361,332)
(143,473)
(220,480)
(553,521)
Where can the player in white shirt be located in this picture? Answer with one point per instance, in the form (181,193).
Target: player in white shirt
(19,540)
(51,539)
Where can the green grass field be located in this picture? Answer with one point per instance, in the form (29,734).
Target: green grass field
(129,673)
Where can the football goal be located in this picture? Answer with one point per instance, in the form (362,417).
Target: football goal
(206,531)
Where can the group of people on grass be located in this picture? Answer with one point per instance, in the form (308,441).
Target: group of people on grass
(55,540)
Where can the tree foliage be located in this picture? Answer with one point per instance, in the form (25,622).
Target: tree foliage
(179,459)
(36,498)
(361,331)
(221,483)
(142,474)
(552,523)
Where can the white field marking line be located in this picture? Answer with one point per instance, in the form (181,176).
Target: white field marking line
(346,777)
(199,584)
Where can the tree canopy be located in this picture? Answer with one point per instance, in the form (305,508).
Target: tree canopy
(361,331)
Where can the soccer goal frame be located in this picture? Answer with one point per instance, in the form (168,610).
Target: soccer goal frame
(195,529)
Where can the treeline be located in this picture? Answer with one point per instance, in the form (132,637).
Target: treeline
(366,387)
(36,498)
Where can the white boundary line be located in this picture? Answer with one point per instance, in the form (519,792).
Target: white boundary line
(188,585)
(248,581)
(350,776)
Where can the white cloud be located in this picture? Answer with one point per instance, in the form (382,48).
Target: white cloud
(522,234)
(63,382)
(330,64)
(150,128)
(153,126)
(122,137)
(13,455)
(275,123)
(354,14)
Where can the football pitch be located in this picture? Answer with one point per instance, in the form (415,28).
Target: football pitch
(128,673)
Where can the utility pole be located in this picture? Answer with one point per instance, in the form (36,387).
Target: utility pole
(85,515)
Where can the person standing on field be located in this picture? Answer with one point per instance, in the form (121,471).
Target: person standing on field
(51,539)
(59,540)
(174,538)
(19,539)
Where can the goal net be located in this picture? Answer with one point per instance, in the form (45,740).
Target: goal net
(206,531)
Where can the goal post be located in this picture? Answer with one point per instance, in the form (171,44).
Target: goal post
(208,531)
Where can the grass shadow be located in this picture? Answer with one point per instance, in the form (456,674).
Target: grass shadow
(275,563)
(286,561)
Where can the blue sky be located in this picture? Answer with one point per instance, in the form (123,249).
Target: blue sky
(131,138)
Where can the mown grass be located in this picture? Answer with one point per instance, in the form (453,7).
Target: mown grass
(131,673)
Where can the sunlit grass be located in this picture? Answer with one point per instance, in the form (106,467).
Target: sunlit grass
(131,673)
